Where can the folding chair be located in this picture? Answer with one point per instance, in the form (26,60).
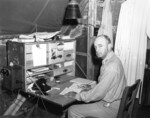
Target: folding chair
(128,100)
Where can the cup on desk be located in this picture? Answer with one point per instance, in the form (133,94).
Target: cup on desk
(57,80)
(51,79)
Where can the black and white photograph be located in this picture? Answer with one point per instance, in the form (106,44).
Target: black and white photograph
(74,58)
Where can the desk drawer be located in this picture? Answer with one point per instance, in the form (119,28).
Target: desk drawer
(69,55)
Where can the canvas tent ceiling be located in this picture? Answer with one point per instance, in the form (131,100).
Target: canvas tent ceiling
(25,16)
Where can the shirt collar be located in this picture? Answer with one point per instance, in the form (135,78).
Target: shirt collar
(107,58)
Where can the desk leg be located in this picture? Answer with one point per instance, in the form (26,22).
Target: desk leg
(64,115)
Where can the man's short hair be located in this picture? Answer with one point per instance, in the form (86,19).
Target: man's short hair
(106,37)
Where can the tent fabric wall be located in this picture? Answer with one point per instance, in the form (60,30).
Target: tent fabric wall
(28,16)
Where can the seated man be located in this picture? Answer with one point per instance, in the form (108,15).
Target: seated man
(103,100)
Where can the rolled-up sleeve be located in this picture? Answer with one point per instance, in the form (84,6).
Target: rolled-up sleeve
(103,86)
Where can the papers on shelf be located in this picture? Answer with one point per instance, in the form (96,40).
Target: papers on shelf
(66,37)
(40,69)
(41,35)
(36,36)
(25,40)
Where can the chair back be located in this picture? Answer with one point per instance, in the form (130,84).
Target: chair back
(127,101)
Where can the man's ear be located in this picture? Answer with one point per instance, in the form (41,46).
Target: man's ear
(110,46)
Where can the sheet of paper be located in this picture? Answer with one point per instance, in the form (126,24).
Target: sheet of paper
(42,35)
(64,91)
(73,88)
(68,63)
(69,46)
(39,54)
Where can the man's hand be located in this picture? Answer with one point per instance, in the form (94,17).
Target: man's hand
(85,87)
(71,94)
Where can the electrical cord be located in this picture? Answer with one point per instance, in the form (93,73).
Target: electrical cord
(35,84)
(81,69)
(37,94)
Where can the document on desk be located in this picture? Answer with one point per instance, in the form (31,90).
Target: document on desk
(78,85)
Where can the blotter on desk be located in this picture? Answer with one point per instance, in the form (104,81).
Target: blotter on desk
(78,85)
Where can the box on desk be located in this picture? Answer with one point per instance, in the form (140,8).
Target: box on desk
(55,52)
(37,54)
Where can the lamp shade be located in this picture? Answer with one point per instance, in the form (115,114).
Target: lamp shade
(72,10)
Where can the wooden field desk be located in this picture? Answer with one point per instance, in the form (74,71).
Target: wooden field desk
(54,103)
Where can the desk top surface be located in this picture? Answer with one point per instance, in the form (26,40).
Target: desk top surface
(54,96)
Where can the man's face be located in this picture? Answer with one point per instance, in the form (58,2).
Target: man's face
(101,47)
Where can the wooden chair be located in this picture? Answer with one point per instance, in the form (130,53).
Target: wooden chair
(127,101)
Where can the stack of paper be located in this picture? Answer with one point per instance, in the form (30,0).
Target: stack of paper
(41,35)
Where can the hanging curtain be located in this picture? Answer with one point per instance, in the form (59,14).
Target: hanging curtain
(131,38)
(106,24)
